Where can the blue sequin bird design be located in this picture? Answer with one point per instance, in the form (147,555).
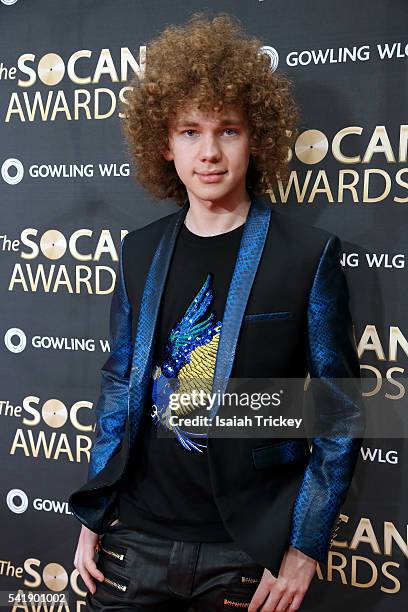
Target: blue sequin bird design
(188,363)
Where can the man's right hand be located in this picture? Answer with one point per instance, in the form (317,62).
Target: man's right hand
(84,558)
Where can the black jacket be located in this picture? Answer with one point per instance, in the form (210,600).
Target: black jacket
(270,492)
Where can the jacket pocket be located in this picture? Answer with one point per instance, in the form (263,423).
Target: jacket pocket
(113,552)
(114,583)
(237,601)
(278,314)
(287,451)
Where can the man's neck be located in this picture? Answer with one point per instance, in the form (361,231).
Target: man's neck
(211,221)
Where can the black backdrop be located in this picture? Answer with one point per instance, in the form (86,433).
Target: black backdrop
(67,198)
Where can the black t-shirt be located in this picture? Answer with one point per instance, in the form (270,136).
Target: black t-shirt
(167,489)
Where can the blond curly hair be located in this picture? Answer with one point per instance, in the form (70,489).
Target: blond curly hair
(210,64)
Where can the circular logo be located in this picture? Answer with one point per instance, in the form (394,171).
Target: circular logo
(273,55)
(22,340)
(8,2)
(12,163)
(311,147)
(55,577)
(22,501)
(51,69)
(54,413)
(53,244)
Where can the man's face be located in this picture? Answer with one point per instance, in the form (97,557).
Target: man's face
(206,143)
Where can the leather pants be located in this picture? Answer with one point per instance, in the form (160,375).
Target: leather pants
(146,572)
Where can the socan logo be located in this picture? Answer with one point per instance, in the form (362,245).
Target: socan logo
(17,501)
(12,171)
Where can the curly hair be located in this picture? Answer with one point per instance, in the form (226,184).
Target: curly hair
(209,63)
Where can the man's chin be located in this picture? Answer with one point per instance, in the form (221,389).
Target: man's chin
(212,192)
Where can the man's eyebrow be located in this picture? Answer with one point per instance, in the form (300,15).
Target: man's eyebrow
(223,121)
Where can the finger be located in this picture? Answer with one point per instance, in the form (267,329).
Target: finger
(272,601)
(285,601)
(89,583)
(297,600)
(92,568)
(259,597)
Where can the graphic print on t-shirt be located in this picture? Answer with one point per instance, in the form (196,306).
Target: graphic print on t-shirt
(188,363)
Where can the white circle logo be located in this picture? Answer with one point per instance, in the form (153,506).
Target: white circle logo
(9,2)
(5,168)
(273,56)
(20,507)
(22,340)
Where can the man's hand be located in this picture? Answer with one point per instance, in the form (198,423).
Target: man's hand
(286,592)
(84,558)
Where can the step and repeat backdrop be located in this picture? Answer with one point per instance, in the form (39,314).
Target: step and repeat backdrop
(68,197)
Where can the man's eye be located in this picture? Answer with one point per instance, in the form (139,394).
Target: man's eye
(224,130)
(231,129)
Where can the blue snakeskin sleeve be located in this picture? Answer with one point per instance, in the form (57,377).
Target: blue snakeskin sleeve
(112,406)
(331,354)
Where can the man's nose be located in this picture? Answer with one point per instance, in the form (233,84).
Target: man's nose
(209,147)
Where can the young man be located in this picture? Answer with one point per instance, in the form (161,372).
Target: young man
(223,288)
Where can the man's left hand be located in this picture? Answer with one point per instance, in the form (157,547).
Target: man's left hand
(286,592)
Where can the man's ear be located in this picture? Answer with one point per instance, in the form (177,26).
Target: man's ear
(167,154)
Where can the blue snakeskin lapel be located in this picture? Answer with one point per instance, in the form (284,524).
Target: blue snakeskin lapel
(149,308)
(246,265)
(250,251)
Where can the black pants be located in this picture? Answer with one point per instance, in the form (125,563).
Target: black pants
(145,572)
